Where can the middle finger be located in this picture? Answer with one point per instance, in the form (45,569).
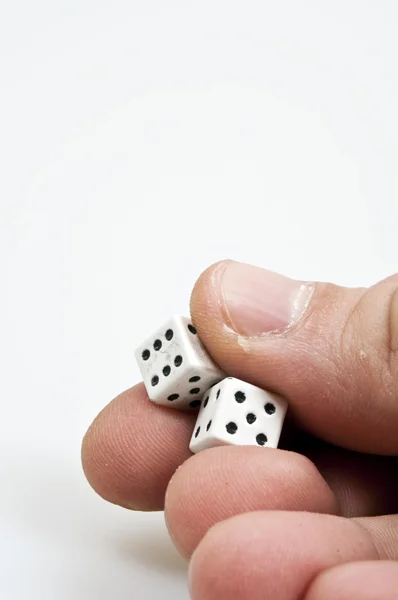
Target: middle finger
(223,482)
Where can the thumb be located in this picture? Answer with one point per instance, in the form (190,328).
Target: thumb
(332,352)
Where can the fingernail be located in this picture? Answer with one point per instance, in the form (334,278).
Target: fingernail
(257,301)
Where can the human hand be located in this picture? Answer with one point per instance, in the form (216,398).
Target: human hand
(314,522)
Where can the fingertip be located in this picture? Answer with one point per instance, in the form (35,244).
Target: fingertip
(132,449)
(205,302)
(222,482)
(103,448)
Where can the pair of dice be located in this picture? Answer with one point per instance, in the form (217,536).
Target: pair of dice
(178,372)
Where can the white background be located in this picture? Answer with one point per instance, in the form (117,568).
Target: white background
(141,141)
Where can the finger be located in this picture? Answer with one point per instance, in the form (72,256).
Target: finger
(384,533)
(363,581)
(219,483)
(364,484)
(133,448)
(268,555)
(331,351)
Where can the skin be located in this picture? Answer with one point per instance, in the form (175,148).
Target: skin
(314,520)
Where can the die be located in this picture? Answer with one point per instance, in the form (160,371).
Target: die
(237,413)
(175,365)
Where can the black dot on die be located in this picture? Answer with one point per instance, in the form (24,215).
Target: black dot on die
(194,391)
(261,439)
(231,428)
(206,402)
(157,344)
(270,408)
(193,379)
(145,355)
(155,380)
(192,329)
(240,397)
(208,426)
(166,371)
(169,334)
(197,432)
(194,404)
(251,418)
(173,397)
(218,394)
(178,361)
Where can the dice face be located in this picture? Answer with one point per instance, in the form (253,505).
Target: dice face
(175,366)
(237,413)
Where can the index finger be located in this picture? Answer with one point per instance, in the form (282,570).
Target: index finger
(132,449)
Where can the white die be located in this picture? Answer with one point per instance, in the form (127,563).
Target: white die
(237,413)
(175,366)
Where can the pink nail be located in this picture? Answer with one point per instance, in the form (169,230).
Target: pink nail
(259,301)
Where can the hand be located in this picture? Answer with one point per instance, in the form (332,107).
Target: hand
(315,522)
